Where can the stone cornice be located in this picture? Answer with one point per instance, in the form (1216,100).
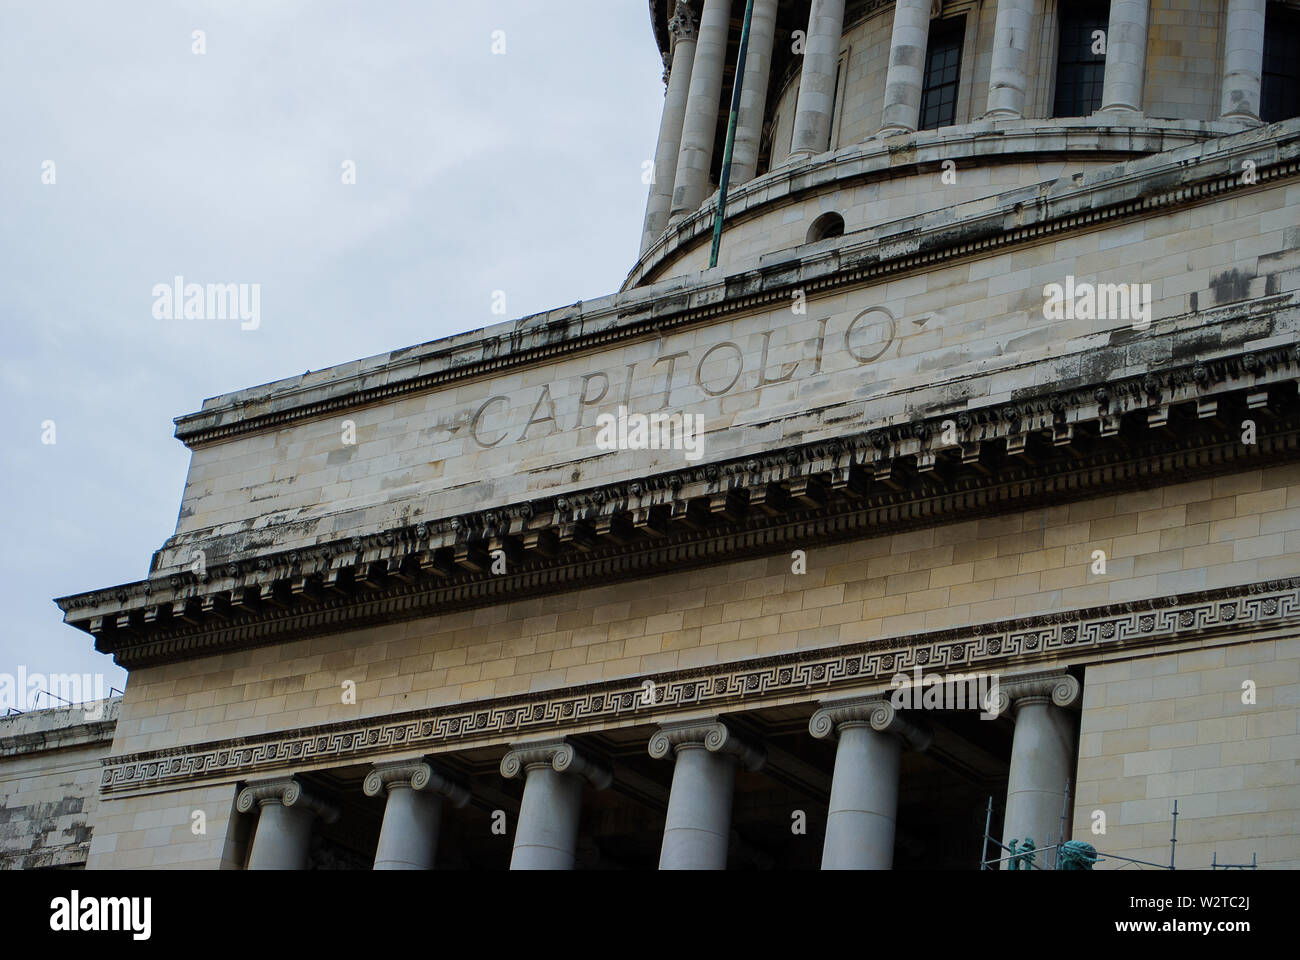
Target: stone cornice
(1175,162)
(1076,636)
(1163,181)
(1056,444)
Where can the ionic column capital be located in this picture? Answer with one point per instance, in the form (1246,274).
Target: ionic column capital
(561,756)
(880,715)
(713,735)
(288,792)
(1060,689)
(417,775)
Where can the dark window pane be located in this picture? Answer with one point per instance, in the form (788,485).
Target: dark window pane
(1079,71)
(942,72)
(1279,97)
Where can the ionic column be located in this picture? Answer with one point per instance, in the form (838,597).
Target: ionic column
(1042,755)
(906,72)
(697,829)
(701,123)
(683,27)
(1243,60)
(812,112)
(408,838)
(1126,56)
(753,93)
(284,823)
(864,789)
(547,833)
(1008,74)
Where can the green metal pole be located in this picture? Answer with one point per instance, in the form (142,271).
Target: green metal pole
(731,134)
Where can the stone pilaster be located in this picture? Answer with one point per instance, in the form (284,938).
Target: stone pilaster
(906,74)
(1126,57)
(1042,754)
(554,772)
(698,825)
(408,838)
(286,814)
(684,27)
(753,94)
(863,810)
(1243,60)
(699,129)
(1008,74)
(813,110)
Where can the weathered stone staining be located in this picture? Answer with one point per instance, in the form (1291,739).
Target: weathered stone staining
(930,410)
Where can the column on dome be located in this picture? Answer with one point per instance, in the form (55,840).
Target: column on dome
(1042,755)
(1126,57)
(753,93)
(700,126)
(813,109)
(1243,60)
(554,772)
(906,73)
(408,837)
(1008,73)
(863,810)
(286,814)
(683,26)
(697,829)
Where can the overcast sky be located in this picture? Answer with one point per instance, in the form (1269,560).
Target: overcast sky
(475,172)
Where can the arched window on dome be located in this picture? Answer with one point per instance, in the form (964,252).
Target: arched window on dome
(826,226)
(1080,57)
(1279,95)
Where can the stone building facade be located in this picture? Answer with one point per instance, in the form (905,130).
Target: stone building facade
(996,376)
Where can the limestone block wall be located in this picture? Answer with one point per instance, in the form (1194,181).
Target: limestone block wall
(978,323)
(1175,726)
(193,829)
(49,779)
(1208,533)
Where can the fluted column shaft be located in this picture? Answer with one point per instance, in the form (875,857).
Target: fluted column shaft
(906,72)
(697,829)
(684,26)
(408,838)
(863,810)
(753,93)
(1042,757)
(1126,56)
(546,835)
(813,110)
(286,816)
(1243,60)
(1008,74)
(699,129)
